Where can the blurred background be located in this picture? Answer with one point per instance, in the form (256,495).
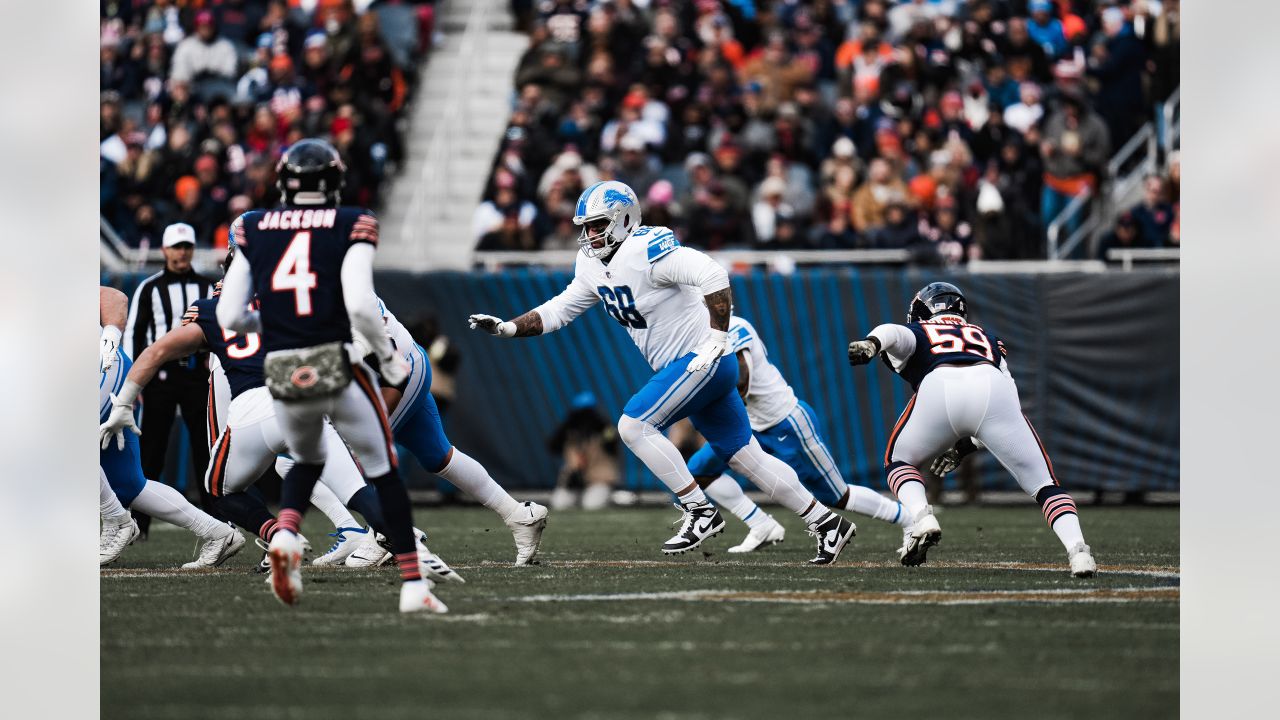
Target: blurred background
(835,155)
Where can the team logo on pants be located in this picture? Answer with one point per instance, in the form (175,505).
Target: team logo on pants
(304,377)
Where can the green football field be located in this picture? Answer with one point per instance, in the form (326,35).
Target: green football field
(607,627)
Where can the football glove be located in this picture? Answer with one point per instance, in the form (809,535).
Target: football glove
(394,370)
(709,351)
(950,460)
(862,352)
(492,325)
(120,419)
(108,345)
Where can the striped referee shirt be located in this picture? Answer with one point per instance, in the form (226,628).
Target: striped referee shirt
(157,308)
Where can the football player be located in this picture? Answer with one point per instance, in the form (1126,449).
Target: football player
(309,263)
(965,398)
(788,429)
(675,303)
(415,422)
(120,465)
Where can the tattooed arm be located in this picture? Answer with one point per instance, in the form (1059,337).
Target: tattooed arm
(720,305)
(548,317)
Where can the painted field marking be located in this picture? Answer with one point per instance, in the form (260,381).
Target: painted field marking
(900,597)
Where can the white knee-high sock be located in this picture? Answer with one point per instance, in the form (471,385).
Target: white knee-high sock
(329,504)
(109,508)
(865,501)
(727,493)
(778,480)
(471,477)
(1067,528)
(661,457)
(160,500)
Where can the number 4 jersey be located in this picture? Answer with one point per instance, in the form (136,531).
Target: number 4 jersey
(915,349)
(295,255)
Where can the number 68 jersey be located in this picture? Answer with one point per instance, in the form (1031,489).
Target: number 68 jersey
(295,255)
(915,349)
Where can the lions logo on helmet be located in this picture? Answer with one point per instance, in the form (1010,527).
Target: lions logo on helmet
(607,212)
(935,299)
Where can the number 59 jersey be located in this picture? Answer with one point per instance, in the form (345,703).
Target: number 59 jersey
(295,255)
(944,341)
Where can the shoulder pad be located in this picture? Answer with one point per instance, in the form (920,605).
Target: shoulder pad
(739,336)
(661,241)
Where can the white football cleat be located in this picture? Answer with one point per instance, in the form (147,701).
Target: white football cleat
(1082,564)
(113,539)
(923,534)
(430,564)
(416,596)
(346,542)
(697,523)
(527,523)
(215,552)
(368,552)
(761,536)
(285,552)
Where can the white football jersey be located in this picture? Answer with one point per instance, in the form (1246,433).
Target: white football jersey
(652,286)
(769,397)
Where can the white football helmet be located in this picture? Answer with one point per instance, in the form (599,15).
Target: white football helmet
(616,205)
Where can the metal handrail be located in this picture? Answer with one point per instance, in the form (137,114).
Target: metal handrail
(1126,256)
(494,259)
(1146,136)
(440,145)
(1072,209)
(1172,127)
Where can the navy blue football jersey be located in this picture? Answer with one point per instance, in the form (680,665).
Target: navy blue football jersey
(296,255)
(940,342)
(241,355)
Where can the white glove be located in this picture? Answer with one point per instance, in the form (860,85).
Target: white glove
(861,352)
(120,419)
(945,463)
(492,325)
(108,345)
(709,351)
(394,369)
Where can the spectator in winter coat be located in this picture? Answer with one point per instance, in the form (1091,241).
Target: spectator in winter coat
(204,55)
(870,200)
(1046,29)
(1154,215)
(1117,63)
(1076,144)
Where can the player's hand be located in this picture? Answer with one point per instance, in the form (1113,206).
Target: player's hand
(945,463)
(709,351)
(394,370)
(120,419)
(862,352)
(492,325)
(107,347)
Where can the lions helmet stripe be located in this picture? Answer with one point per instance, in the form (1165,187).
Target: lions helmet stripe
(582,199)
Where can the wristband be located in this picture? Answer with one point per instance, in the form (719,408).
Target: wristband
(128,393)
(113,333)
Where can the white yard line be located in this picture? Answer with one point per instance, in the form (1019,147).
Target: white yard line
(923,597)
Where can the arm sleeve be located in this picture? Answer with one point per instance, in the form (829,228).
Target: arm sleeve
(135,330)
(237,290)
(686,266)
(562,309)
(362,304)
(897,341)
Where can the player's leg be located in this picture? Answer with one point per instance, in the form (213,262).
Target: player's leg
(301,424)
(360,418)
(239,457)
(193,404)
(723,422)
(1008,434)
(922,432)
(124,473)
(708,471)
(419,429)
(805,450)
(668,397)
(158,408)
(118,527)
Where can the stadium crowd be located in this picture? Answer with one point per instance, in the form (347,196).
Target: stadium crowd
(955,129)
(200,97)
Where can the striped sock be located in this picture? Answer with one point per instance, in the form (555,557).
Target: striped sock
(408,563)
(907,484)
(1061,514)
(289,519)
(268,529)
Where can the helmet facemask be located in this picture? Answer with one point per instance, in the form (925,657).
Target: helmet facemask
(604,230)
